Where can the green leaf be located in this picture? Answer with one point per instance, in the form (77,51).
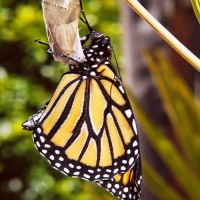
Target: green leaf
(196,7)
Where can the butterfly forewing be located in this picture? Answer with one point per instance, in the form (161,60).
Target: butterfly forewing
(85,120)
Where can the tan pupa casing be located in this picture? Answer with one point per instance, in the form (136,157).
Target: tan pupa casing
(61,19)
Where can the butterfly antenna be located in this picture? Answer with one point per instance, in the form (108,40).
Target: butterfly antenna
(62,55)
(116,62)
(84,19)
(55,53)
(38,41)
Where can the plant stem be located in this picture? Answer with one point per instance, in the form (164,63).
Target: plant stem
(165,34)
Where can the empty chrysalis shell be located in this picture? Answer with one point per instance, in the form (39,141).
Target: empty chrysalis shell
(61,19)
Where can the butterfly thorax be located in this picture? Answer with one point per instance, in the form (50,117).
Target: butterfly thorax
(96,54)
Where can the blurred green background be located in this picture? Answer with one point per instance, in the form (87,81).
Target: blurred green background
(28,77)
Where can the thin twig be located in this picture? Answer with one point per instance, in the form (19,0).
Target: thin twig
(165,34)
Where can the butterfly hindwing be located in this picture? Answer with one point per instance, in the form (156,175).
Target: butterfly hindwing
(126,186)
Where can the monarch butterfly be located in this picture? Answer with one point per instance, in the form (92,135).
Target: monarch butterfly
(87,129)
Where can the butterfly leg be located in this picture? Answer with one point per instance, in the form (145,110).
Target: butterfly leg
(85,19)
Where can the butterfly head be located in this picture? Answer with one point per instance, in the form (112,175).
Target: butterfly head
(101,45)
(98,52)
(100,40)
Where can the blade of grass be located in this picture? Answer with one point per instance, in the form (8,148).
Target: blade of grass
(196,7)
(180,106)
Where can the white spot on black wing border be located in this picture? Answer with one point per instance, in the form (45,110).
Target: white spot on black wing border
(125,192)
(58,159)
